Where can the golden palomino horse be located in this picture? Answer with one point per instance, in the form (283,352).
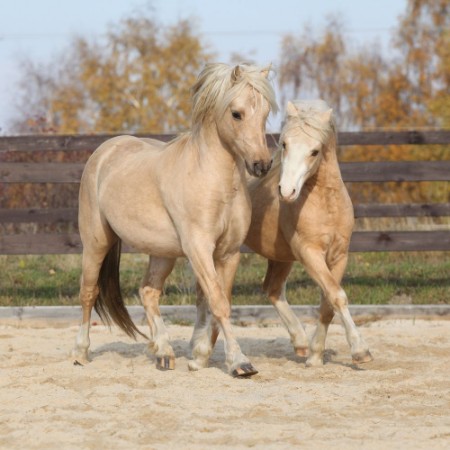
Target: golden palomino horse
(188,198)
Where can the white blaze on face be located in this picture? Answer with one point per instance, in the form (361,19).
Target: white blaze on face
(298,163)
(301,148)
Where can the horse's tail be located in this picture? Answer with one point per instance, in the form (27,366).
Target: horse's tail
(109,304)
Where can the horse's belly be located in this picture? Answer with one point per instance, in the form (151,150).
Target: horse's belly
(267,240)
(156,244)
(152,235)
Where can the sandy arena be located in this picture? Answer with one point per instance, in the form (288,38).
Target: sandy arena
(400,400)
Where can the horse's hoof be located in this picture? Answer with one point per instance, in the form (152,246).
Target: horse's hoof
(362,357)
(244,371)
(301,351)
(314,361)
(79,358)
(165,362)
(196,364)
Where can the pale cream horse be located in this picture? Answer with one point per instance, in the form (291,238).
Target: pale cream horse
(302,212)
(185,198)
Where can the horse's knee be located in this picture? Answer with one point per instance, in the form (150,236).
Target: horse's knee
(220,310)
(337,301)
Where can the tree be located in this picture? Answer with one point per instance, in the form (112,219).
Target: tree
(313,66)
(136,79)
(369,90)
(423,40)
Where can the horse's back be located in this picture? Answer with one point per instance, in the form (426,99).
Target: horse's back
(123,147)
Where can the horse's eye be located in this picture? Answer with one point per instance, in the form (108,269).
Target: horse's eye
(236,115)
(314,152)
(283,145)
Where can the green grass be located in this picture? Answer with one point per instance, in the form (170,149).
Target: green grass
(371,278)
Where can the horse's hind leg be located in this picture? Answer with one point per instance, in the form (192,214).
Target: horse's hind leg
(275,287)
(91,264)
(150,293)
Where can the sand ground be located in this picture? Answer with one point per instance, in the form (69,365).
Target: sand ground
(400,400)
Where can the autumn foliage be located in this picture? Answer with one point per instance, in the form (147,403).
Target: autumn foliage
(409,89)
(137,78)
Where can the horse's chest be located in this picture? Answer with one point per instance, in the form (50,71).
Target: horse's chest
(233,221)
(325,217)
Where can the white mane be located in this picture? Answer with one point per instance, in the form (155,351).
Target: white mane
(216,88)
(308,120)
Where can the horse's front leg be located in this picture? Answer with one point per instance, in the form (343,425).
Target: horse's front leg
(334,300)
(275,287)
(216,286)
(205,333)
(150,292)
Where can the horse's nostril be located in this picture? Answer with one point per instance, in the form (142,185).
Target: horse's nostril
(257,168)
(282,196)
(261,168)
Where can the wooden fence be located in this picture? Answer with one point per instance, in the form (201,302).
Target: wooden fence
(60,172)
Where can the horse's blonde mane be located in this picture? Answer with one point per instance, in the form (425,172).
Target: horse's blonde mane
(308,120)
(215,89)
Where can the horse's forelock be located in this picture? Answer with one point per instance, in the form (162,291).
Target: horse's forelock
(215,89)
(309,122)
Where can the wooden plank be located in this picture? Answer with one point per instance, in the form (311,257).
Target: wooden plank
(63,142)
(40,244)
(41,172)
(411,137)
(364,241)
(395,171)
(351,172)
(90,142)
(37,215)
(70,215)
(402,210)
(392,241)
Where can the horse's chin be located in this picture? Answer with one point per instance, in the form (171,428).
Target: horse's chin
(292,197)
(288,200)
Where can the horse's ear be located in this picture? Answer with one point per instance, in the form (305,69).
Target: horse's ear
(236,74)
(265,72)
(326,115)
(291,110)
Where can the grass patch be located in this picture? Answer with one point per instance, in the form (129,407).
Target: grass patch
(371,278)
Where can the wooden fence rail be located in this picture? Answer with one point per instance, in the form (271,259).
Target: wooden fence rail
(70,173)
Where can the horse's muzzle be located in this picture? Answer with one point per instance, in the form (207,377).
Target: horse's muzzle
(259,168)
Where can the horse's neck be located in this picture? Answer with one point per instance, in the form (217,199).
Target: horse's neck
(216,158)
(328,174)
